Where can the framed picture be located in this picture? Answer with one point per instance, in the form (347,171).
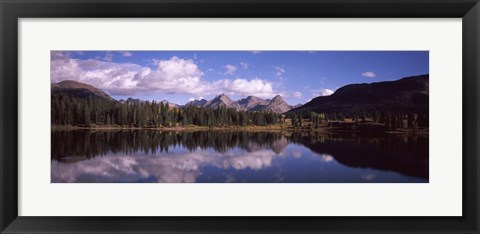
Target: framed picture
(239,116)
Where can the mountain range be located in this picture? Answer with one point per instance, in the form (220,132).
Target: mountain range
(406,94)
(250,103)
(136,100)
(80,90)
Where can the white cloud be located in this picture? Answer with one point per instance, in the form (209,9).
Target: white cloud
(369,74)
(126,54)
(54,55)
(175,75)
(115,78)
(230,69)
(256,51)
(243,87)
(297,94)
(279,71)
(244,65)
(322,92)
(171,76)
(193,99)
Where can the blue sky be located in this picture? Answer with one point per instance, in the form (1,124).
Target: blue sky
(180,76)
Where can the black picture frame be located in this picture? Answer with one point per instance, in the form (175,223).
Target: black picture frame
(12,10)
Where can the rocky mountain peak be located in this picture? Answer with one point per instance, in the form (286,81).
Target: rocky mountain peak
(277,98)
(197,102)
(223,97)
(277,104)
(222,100)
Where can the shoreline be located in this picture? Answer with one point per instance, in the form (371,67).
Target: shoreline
(188,128)
(276,128)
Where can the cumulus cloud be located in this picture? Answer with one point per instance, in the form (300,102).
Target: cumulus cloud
(369,74)
(322,92)
(230,69)
(243,87)
(60,55)
(297,94)
(115,78)
(174,75)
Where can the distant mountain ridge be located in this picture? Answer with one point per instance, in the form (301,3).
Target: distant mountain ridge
(409,93)
(250,103)
(130,100)
(78,89)
(277,104)
(222,100)
(196,103)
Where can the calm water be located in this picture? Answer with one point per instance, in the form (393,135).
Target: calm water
(219,156)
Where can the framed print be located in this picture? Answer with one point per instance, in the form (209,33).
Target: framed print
(235,130)
(252,116)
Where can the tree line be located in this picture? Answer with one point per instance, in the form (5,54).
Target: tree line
(68,110)
(389,119)
(100,143)
(74,111)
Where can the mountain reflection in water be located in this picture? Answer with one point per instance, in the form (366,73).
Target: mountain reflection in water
(143,156)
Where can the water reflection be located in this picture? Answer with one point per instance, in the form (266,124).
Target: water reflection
(224,156)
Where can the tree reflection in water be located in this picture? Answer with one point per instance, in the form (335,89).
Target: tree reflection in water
(228,156)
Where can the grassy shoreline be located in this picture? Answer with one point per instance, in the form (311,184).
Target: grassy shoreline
(186,128)
(323,129)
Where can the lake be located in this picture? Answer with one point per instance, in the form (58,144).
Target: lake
(150,156)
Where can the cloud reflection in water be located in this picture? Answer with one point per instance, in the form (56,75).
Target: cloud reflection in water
(172,168)
(218,157)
